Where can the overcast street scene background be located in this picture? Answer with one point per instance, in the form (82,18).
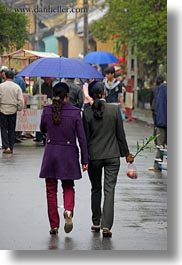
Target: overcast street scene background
(140,205)
(142,211)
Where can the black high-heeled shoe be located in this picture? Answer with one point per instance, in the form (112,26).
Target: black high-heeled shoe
(95,228)
(53,231)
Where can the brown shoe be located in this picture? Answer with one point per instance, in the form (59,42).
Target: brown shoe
(68,221)
(106,232)
(7,151)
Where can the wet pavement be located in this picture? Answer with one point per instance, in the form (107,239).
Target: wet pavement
(140,205)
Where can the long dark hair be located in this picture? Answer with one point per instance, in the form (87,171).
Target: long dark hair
(96,90)
(60,91)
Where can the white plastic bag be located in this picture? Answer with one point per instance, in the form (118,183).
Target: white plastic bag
(131,171)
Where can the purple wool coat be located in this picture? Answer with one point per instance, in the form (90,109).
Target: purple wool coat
(61,154)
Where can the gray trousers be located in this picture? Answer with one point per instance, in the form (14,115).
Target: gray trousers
(111,166)
(161,141)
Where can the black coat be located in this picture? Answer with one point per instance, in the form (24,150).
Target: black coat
(161,106)
(106,136)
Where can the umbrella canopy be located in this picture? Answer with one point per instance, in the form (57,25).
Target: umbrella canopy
(61,68)
(100,57)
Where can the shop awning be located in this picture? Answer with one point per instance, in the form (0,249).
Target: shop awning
(20,58)
(28,54)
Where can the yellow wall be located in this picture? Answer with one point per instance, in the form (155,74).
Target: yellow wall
(75,46)
(106,46)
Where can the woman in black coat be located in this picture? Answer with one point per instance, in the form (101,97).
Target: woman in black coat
(106,144)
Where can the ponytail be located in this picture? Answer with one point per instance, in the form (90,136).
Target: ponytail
(98,108)
(96,91)
(56,109)
(60,91)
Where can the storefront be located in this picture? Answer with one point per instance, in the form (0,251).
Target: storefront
(29,118)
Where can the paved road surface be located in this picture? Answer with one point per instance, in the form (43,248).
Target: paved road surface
(140,205)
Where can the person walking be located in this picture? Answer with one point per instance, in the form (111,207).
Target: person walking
(159,80)
(114,90)
(63,125)
(3,69)
(76,93)
(88,101)
(11,101)
(19,80)
(47,90)
(106,144)
(160,121)
(119,77)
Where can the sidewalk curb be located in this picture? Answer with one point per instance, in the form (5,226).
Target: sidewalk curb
(144,116)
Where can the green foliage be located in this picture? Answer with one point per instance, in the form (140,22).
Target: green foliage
(144,95)
(145,144)
(13,29)
(141,23)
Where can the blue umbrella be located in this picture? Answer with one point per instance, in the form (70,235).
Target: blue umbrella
(60,67)
(100,57)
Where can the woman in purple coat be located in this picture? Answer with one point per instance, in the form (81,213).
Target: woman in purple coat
(62,124)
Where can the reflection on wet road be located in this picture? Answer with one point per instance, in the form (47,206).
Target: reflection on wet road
(140,205)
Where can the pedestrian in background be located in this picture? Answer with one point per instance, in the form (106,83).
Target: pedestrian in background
(160,120)
(75,92)
(63,125)
(36,84)
(153,93)
(106,144)
(11,101)
(3,69)
(46,89)
(19,80)
(88,101)
(119,77)
(114,90)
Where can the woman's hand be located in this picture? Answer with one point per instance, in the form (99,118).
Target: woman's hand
(85,167)
(129,158)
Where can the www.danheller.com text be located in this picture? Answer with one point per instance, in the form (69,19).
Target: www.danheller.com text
(47,9)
